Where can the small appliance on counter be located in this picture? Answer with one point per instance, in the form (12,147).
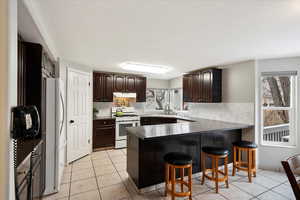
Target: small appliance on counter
(125,117)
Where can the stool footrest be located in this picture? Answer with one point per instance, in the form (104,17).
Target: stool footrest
(171,181)
(249,165)
(215,171)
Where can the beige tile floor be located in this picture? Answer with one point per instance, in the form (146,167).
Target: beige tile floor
(102,176)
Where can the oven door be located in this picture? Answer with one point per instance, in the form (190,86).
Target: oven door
(121,133)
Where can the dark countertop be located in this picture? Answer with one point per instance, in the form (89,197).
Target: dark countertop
(103,117)
(169,116)
(197,126)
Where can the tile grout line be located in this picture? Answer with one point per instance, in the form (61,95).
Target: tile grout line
(120,175)
(157,190)
(86,179)
(69,196)
(252,194)
(278,192)
(98,187)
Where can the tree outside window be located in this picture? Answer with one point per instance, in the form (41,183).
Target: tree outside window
(278,109)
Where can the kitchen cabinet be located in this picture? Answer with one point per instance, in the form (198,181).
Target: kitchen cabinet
(141,84)
(102,87)
(31,175)
(188,88)
(34,67)
(103,133)
(119,83)
(35,182)
(37,171)
(130,82)
(196,88)
(203,86)
(105,84)
(23,179)
(157,120)
(97,83)
(107,88)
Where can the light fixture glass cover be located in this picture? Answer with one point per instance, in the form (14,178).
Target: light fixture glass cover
(142,67)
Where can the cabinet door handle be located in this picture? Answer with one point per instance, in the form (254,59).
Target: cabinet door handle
(71,121)
(22,172)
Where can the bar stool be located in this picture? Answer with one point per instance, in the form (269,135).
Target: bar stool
(181,161)
(215,153)
(249,165)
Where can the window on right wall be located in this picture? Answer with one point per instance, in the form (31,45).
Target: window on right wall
(279,102)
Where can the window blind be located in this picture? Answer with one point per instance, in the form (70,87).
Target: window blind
(280,73)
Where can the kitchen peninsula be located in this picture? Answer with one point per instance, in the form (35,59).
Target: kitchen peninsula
(147,145)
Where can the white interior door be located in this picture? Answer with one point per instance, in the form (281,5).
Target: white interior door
(79,107)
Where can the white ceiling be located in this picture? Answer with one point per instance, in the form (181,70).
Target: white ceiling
(184,34)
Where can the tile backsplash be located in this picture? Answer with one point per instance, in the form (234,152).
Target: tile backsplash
(104,108)
(229,112)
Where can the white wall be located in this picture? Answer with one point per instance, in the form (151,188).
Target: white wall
(276,153)
(157,83)
(3,99)
(176,82)
(238,82)
(238,96)
(8,92)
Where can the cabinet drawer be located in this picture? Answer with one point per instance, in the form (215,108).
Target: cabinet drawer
(104,122)
(103,137)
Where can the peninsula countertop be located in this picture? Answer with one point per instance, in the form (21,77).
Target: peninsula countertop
(197,125)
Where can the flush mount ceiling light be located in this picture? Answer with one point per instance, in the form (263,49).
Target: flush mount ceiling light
(142,67)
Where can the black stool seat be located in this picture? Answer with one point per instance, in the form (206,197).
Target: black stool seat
(245,144)
(178,158)
(215,150)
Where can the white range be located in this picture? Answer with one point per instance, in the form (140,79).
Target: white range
(130,118)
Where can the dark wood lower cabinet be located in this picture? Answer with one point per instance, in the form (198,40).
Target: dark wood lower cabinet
(36,182)
(31,175)
(157,120)
(104,133)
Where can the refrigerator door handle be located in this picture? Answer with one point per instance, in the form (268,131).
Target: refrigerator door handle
(63,113)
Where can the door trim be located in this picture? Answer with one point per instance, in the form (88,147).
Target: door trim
(90,96)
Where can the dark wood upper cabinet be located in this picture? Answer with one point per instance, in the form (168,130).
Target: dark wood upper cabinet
(141,85)
(119,83)
(207,86)
(97,82)
(105,84)
(188,88)
(196,85)
(204,86)
(103,87)
(130,83)
(107,87)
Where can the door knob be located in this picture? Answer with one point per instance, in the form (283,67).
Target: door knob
(71,121)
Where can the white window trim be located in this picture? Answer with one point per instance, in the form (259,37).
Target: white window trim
(293,121)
